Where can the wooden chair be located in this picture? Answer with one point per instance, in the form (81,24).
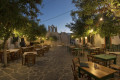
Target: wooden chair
(40,52)
(14,55)
(76,64)
(45,49)
(101,51)
(112,61)
(30,58)
(90,58)
(1,56)
(82,52)
(9,58)
(114,66)
(20,52)
(74,52)
(31,49)
(75,74)
(25,50)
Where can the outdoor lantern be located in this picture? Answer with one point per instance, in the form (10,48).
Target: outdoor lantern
(101,19)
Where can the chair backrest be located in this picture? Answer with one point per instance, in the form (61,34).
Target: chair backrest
(30,56)
(76,62)
(40,52)
(102,51)
(90,58)
(75,75)
(76,59)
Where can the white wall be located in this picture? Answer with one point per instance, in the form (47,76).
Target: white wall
(1,41)
(115,40)
(65,38)
(77,41)
(98,41)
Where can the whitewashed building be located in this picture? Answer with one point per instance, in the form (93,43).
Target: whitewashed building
(98,41)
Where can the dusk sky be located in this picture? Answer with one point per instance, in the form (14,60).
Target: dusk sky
(53,8)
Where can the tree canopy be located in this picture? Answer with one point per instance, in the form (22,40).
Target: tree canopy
(88,14)
(32,31)
(15,14)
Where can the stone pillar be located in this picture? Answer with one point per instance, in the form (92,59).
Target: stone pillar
(52,29)
(48,28)
(55,29)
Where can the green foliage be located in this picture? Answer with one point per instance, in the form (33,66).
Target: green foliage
(87,16)
(14,14)
(89,21)
(77,27)
(109,27)
(53,38)
(33,30)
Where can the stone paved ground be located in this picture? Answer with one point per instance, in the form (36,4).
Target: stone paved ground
(54,65)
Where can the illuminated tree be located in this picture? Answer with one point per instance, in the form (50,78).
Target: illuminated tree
(99,15)
(15,14)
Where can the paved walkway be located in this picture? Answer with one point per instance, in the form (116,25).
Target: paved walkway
(55,65)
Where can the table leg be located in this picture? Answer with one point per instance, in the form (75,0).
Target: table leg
(115,61)
(106,63)
(79,72)
(22,60)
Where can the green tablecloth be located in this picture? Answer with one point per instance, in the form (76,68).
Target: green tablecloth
(77,48)
(106,57)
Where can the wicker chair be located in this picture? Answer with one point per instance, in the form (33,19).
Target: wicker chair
(31,49)
(14,55)
(40,52)
(30,58)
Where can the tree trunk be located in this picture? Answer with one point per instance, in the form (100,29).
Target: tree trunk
(5,54)
(5,44)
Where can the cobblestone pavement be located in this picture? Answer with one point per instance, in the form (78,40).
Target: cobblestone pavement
(54,65)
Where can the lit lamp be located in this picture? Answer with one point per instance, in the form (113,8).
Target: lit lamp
(43,38)
(72,36)
(101,19)
(91,30)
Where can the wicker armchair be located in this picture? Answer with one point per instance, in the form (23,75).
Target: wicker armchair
(30,58)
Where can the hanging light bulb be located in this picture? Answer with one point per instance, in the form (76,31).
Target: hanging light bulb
(101,19)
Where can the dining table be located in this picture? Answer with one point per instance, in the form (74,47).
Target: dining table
(117,53)
(38,49)
(13,50)
(96,71)
(93,48)
(24,47)
(79,50)
(105,58)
